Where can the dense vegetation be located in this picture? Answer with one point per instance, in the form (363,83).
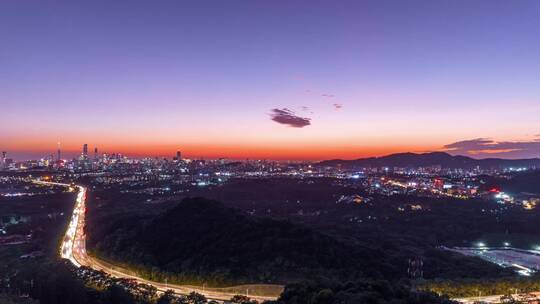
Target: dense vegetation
(360,291)
(203,235)
(474,287)
(202,241)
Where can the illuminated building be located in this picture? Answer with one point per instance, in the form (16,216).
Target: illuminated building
(3,162)
(178,156)
(58,156)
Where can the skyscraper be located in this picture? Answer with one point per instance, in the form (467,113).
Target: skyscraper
(59,155)
(3,160)
(85,151)
(95,153)
(178,157)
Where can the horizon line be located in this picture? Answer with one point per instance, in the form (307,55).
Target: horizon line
(235,158)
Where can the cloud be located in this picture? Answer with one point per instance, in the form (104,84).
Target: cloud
(470,144)
(287,117)
(486,147)
(338,106)
(328,95)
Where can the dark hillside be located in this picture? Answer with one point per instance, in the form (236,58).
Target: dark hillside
(203,239)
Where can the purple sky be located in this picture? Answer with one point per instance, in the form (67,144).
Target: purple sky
(209,77)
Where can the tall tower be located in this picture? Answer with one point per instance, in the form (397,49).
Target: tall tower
(3,160)
(59,155)
(85,151)
(96,153)
(178,155)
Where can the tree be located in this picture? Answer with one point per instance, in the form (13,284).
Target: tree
(167,298)
(325,296)
(196,298)
(145,293)
(240,299)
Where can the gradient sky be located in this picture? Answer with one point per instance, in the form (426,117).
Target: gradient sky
(209,77)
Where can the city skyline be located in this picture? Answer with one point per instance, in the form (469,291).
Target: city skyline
(475,149)
(281,80)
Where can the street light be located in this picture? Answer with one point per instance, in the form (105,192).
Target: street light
(481,244)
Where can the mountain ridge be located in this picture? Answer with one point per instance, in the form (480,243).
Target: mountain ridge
(443,159)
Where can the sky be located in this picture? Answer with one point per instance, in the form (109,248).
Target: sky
(270,79)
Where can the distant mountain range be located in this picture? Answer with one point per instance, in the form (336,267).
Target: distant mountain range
(445,160)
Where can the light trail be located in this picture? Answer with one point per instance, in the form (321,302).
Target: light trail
(73,248)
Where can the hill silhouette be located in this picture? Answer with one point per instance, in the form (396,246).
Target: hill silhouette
(445,160)
(201,238)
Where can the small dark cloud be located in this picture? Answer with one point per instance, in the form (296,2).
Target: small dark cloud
(486,147)
(338,106)
(287,117)
(328,95)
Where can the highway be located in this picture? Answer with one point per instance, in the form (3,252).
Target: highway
(73,248)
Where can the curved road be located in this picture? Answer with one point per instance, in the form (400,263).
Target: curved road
(73,248)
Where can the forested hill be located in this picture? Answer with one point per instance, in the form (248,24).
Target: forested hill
(202,239)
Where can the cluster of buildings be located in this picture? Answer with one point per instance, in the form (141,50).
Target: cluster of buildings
(425,186)
(460,184)
(432,181)
(5,163)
